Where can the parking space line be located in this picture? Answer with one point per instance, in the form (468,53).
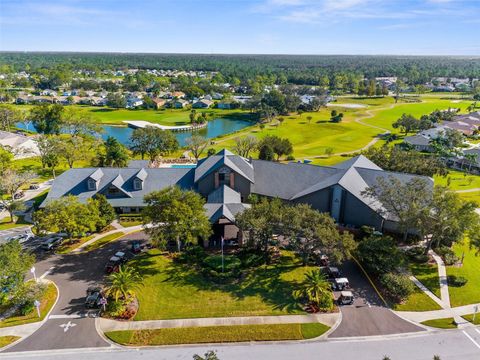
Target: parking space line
(471,339)
(477,331)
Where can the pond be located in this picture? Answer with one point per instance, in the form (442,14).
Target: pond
(215,127)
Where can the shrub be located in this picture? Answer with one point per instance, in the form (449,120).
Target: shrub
(214,262)
(417,255)
(115,308)
(397,286)
(447,254)
(191,255)
(456,281)
(27,307)
(290,158)
(379,254)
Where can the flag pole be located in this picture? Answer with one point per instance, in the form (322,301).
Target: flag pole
(222,255)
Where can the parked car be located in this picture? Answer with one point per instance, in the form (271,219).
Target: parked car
(340,284)
(346,298)
(51,243)
(94,297)
(34,186)
(18,195)
(113,264)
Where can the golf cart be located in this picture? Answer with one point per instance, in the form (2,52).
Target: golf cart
(346,298)
(94,297)
(333,272)
(136,247)
(340,284)
(113,264)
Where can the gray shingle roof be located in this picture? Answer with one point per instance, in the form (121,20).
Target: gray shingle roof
(224,194)
(224,158)
(418,140)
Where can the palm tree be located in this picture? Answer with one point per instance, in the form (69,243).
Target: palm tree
(316,288)
(123,283)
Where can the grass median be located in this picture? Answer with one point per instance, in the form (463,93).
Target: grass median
(103,241)
(470,318)
(217,334)
(7,340)
(446,323)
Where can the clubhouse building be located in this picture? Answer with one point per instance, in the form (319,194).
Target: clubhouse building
(227,180)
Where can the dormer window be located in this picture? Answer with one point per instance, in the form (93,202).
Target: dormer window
(137,184)
(92,185)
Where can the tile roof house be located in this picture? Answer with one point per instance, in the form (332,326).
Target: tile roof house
(226,180)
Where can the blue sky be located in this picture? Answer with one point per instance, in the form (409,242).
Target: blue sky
(410,27)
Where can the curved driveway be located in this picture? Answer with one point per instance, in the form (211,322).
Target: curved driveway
(70,325)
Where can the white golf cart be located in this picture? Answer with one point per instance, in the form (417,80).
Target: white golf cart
(340,284)
(346,298)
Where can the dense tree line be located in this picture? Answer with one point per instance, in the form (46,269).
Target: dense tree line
(333,71)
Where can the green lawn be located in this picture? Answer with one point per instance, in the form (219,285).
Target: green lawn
(5,223)
(170,117)
(130,223)
(447,323)
(217,334)
(458,180)
(470,318)
(428,275)
(69,245)
(471,196)
(470,292)
(418,301)
(173,291)
(7,340)
(103,241)
(46,304)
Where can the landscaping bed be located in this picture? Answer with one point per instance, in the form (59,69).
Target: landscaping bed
(46,302)
(218,334)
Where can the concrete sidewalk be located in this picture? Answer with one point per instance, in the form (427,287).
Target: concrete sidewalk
(113,325)
(457,312)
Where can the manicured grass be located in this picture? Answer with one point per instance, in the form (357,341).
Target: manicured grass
(46,304)
(447,323)
(428,275)
(470,318)
(418,301)
(130,223)
(70,245)
(470,292)
(103,241)
(217,334)
(5,223)
(7,340)
(471,196)
(385,117)
(170,117)
(173,291)
(458,180)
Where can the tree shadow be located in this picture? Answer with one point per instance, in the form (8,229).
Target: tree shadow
(265,282)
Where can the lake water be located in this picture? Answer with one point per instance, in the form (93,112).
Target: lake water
(215,127)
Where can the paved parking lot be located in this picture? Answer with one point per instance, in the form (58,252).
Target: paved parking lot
(368,315)
(70,325)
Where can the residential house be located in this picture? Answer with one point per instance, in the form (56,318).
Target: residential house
(228,105)
(159,103)
(133,102)
(227,180)
(179,104)
(21,146)
(468,161)
(48,92)
(202,104)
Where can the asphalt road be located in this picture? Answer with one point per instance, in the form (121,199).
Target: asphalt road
(368,315)
(449,345)
(72,274)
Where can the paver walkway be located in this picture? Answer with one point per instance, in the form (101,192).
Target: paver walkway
(113,325)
